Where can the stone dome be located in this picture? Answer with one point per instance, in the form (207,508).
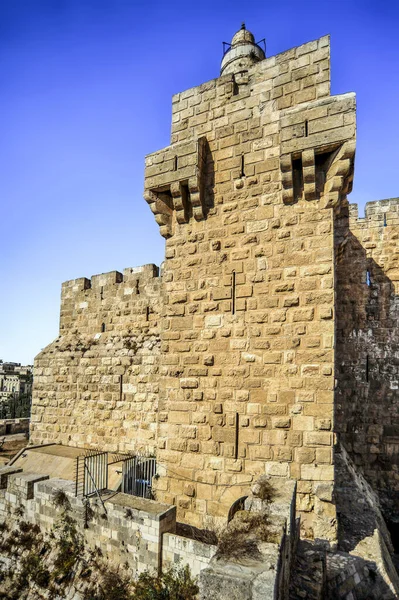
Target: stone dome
(242,54)
(242,36)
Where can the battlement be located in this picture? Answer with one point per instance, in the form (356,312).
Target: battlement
(111,278)
(98,304)
(378,213)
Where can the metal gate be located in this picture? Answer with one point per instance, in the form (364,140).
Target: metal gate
(91,473)
(137,474)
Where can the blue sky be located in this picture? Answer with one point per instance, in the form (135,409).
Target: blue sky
(86,90)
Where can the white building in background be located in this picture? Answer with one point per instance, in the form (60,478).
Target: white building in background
(15,387)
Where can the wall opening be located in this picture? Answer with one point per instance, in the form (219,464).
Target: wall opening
(185,195)
(102,327)
(367,368)
(368,277)
(297,178)
(147,313)
(233,292)
(385,219)
(235,507)
(242,173)
(175,163)
(306,128)
(237,429)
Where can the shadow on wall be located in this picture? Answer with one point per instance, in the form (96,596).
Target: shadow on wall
(367,364)
(364,543)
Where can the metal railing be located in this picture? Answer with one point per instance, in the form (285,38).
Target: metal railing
(91,475)
(227,46)
(137,474)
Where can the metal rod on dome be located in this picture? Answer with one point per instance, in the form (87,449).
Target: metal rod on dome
(224,45)
(264,44)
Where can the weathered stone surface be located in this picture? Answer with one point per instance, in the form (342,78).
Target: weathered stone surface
(266,573)
(367,398)
(249,353)
(96,385)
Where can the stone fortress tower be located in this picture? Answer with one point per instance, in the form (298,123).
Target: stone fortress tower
(271,332)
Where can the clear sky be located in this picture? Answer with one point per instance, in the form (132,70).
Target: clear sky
(85,93)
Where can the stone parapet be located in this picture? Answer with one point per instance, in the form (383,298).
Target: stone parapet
(125,529)
(106,302)
(194,553)
(265,575)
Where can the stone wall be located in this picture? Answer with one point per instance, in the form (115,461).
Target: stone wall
(248,354)
(140,534)
(362,533)
(130,531)
(97,383)
(178,550)
(264,574)
(12,426)
(367,355)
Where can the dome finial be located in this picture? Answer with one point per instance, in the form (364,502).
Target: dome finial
(242,53)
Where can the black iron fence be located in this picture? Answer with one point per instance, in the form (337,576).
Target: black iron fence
(92,473)
(137,475)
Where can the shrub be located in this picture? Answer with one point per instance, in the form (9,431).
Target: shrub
(128,513)
(3,527)
(32,569)
(112,586)
(241,536)
(263,489)
(28,535)
(174,584)
(69,545)
(61,500)
(19,511)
